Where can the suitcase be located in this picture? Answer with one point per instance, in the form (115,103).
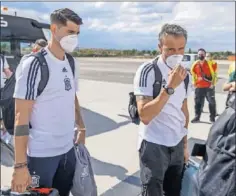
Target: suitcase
(189,180)
(31,192)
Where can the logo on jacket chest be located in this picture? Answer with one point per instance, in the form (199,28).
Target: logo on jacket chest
(164,83)
(67,83)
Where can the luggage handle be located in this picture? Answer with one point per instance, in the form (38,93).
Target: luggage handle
(190,162)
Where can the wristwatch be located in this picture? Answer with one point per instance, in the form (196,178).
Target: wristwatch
(169,90)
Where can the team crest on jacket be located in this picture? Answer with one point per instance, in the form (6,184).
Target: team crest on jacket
(67,84)
(35,181)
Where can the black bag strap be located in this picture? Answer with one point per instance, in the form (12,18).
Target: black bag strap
(71,62)
(2,66)
(158,79)
(203,74)
(44,71)
(3,62)
(186,82)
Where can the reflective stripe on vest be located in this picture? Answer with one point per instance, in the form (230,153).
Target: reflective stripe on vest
(213,74)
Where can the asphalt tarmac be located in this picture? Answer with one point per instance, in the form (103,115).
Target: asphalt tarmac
(123,70)
(111,137)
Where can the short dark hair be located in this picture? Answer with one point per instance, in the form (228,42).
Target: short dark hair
(41,42)
(61,17)
(201,49)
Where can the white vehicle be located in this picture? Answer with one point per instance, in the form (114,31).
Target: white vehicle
(188,60)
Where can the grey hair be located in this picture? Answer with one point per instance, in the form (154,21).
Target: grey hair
(172,29)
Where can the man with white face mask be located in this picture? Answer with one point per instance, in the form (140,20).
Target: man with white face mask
(164,119)
(44,154)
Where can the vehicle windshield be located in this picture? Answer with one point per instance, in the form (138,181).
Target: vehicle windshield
(6,47)
(26,47)
(186,58)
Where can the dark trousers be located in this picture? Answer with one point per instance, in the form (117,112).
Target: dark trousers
(54,172)
(200,95)
(161,169)
(0,106)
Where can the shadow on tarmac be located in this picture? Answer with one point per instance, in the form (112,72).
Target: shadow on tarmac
(128,185)
(107,169)
(97,123)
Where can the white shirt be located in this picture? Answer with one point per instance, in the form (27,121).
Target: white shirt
(167,128)
(4,65)
(53,114)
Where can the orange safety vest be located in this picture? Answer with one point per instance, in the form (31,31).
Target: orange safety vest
(213,73)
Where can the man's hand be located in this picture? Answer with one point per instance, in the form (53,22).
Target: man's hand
(80,139)
(233,87)
(176,76)
(212,86)
(21,179)
(8,73)
(186,155)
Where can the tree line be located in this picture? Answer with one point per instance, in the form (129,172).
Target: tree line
(133,53)
(221,55)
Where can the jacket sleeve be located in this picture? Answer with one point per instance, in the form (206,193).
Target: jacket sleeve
(144,80)
(28,76)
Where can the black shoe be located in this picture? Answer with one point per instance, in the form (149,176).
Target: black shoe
(212,119)
(195,120)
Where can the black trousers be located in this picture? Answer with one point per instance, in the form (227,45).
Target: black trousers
(54,172)
(161,169)
(0,106)
(200,95)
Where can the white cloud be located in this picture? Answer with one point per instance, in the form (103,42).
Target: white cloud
(99,4)
(206,22)
(212,23)
(41,17)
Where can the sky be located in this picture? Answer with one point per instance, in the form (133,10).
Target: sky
(128,25)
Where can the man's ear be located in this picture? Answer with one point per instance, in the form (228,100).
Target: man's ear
(53,28)
(160,48)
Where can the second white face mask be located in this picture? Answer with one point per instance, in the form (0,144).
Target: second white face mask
(69,42)
(174,60)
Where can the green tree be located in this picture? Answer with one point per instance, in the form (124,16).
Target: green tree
(134,52)
(154,52)
(189,51)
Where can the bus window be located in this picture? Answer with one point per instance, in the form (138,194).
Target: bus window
(25,48)
(6,48)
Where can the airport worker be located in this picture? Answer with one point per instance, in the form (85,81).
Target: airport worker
(38,45)
(204,74)
(210,60)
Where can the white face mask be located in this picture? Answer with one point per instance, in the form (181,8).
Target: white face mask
(69,42)
(174,60)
